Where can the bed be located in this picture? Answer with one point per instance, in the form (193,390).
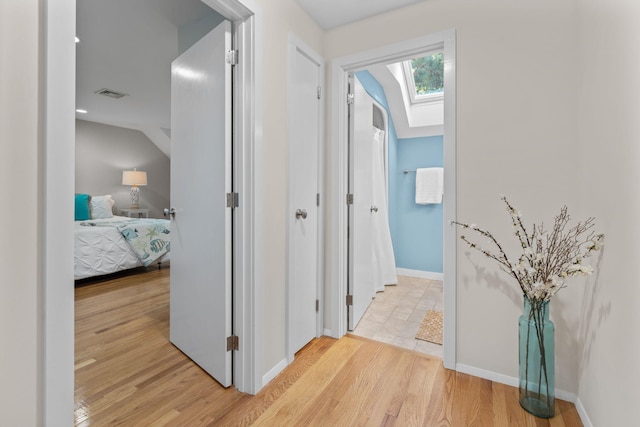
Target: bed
(106,244)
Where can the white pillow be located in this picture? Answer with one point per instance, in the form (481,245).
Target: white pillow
(101,207)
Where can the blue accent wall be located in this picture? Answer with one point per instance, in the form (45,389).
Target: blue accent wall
(418,235)
(416,230)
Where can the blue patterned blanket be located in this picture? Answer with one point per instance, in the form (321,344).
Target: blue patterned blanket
(148,238)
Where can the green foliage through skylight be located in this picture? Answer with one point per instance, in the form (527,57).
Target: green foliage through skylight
(428,73)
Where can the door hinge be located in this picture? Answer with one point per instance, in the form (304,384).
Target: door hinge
(350,98)
(319,92)
(232,57)
(317,305)
(233,200)
(349,199)
(233,343)
(317,199)
(349,299)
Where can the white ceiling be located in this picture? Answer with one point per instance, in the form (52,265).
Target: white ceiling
(334,13)
(128,46)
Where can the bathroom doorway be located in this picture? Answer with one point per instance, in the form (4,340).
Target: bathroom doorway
(395,233)
(340,161)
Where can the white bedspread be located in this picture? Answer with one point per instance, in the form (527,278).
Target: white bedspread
(103,250)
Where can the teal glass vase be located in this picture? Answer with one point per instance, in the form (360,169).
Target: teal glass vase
(537,375)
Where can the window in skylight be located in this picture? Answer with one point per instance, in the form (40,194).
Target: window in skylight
(425,77)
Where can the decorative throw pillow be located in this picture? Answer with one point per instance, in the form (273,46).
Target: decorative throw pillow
(101,207)
(82,207)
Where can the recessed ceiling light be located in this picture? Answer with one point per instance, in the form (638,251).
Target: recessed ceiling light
(81,111)
(77,39)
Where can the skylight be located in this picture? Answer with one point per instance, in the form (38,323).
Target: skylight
(425,77)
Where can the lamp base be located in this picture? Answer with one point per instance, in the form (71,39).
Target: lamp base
(135,197)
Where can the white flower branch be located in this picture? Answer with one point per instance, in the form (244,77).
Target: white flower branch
(547,258)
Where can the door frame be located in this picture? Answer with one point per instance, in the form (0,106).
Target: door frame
(56,390)
(246,18)
(295,44)
(340,169)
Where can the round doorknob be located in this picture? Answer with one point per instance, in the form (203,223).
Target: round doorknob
(374,209)
(301,213)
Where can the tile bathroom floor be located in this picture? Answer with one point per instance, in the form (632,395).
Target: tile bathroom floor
(394,316)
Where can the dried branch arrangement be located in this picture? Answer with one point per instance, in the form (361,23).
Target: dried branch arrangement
(548,256)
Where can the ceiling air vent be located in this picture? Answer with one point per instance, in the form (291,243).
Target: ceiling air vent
(111,93)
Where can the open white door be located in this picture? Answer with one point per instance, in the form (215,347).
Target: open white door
(201,251)
(360,244)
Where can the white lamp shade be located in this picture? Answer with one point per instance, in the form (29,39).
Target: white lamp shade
(134,178)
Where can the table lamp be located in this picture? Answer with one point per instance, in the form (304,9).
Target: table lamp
(134,178)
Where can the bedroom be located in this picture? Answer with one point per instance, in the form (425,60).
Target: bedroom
(127,49)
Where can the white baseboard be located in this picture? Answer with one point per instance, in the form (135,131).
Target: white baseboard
(565,395)
(514,382)
(273,372)
(420,274)
(488,375)
(329,333)
(584,417)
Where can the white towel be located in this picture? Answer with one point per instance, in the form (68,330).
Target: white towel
(429,185)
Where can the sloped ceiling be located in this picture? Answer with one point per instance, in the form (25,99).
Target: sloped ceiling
(410,121)
(128,46)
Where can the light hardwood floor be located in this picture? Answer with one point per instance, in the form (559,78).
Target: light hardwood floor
(128,374)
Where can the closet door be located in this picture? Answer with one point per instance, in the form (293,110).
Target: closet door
(303,212)
(360,211)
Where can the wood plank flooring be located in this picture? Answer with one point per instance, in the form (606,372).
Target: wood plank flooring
(128,374)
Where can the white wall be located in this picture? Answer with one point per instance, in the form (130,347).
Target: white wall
(104,151)
(20,175)
(610,190)
(280,18)
(516,129)
(193,31)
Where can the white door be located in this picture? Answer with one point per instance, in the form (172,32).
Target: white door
(304,135)
(360,222)
(200,299)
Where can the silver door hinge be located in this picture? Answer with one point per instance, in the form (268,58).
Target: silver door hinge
(233,343)
(317,199)
(350,98)
(317,305)
(232,57)
(233,200)
(319,92)
(349,299)
(349,199)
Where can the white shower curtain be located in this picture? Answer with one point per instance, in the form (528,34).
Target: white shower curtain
(384,261)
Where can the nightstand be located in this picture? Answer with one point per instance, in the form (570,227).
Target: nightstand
(135,213)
